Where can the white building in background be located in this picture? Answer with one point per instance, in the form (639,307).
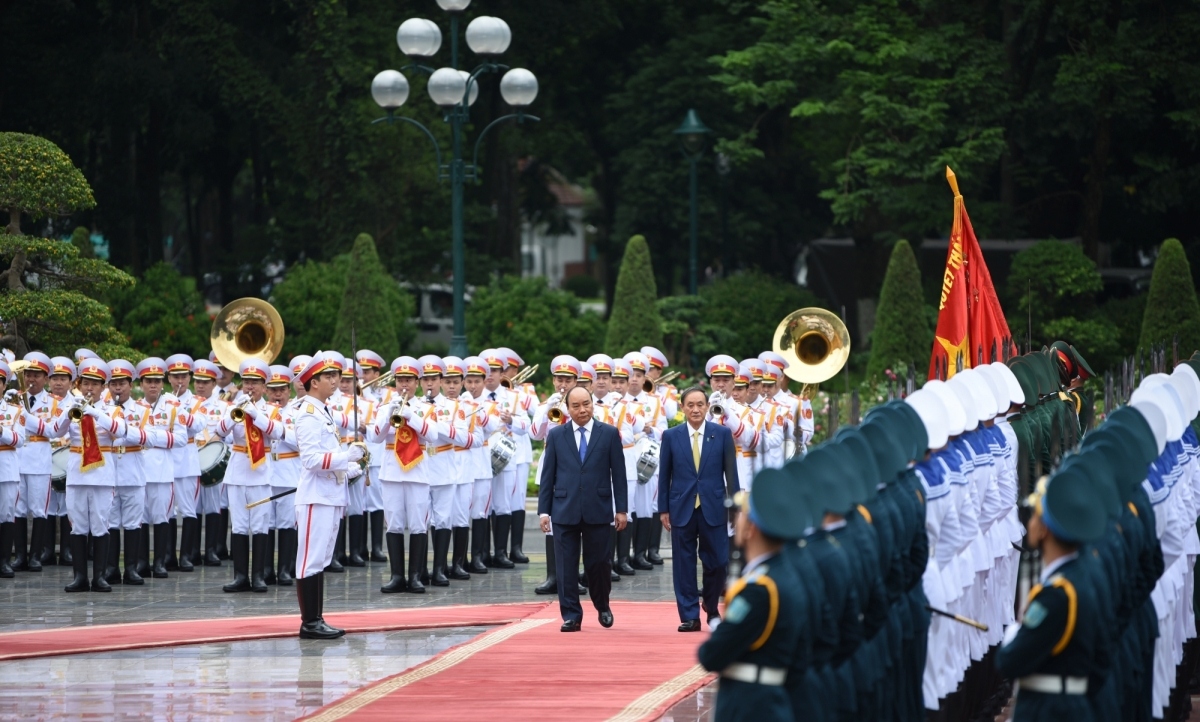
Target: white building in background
(556,248)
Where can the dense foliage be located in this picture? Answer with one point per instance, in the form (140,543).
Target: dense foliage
(37,179)
(373,306)
(1171,307)
(162,313)
(307,299)
(751,305)
(902,332)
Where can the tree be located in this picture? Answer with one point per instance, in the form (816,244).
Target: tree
(1171,308)
(634,321)
(373,306)
(902,334)
(751,305)
(48,292)
(1052,279)
(307,299)
(535,320)
(163,313)
(81,238)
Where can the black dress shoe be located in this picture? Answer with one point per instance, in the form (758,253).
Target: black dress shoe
(614,577)
(654,557)
(570,625)
(582,590)
(319,630)
(622,567)
(691,625)
(606,619)
(713,621)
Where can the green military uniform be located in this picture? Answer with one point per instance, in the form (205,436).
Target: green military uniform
(1052,653)
(764,642)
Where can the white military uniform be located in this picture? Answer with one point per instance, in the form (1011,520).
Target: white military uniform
(286,466)
(213,409)
(129,504)
(184,454)
(321,489)
(90,492)
(405,491)
(449,429)
(645,496)
(505,486)
(164,431)
(246,483)
(12,436)
(34,497)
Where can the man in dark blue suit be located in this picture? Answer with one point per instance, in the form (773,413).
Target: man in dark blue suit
(697,471)
(583,489)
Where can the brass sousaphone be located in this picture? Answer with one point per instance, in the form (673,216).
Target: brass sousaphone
(246,328)
(815,343)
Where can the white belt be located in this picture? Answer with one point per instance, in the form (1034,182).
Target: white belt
(1053,684)
(754,674)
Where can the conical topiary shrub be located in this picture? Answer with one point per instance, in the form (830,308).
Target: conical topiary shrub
(634,321)
(364,306)
(1171,307)
(902,334)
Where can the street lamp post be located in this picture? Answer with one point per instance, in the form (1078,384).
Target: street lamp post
(455,92)
(692,134)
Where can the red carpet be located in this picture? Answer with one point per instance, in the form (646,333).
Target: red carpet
(528,670)
(102,638)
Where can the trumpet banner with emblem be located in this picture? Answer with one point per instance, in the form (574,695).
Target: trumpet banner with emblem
(92,457)
(256,446)
(408,450)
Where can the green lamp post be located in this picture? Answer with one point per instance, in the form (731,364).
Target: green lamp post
(455,92)
(692,132)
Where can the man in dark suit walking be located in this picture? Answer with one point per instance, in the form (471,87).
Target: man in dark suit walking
(697,471)
(583,489)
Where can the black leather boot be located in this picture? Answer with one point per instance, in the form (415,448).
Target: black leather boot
(43,534)
(143,559)
(212,530)
(458,566)
(79,555)
(133,539)
(269,559)
(310,592)
(479,532)
(550,586)
(418,546)
(441,550)
(259,564)
(377,529)
(516,555)
(358,532)
(191,526)
(64,544)
(624,541)
(641,543)
(112,570)
(287,556)
(6,541)
(395,552)
(20,538)
(240,548)
(500,559)
(363,552)
(222,535)
(170,561)
(339,550)
(656,529)
(162,543)
(99,561)
(34,564)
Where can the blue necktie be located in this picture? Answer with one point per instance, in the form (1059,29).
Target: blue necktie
(582,442)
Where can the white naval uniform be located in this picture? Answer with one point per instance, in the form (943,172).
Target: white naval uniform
(243,483)
(35,496)
(129,502)
(506,487)
(184,456)
(12,436)
(321,489)
(443,467)
(90,493)
(164,431)
(405,492)
(286,467)
(212,498)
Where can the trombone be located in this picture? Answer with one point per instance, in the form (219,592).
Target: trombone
(650,384)
(383,380)
(520,378)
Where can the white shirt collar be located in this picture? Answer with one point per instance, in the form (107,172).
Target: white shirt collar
(588,426)
(1049,570)
(693,432)
(757,562)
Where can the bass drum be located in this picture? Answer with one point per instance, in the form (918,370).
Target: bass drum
(503,447)
(214,456)
(647,459)
(59,458)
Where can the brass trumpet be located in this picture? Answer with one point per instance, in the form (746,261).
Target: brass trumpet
(556,414)
(396,419)
(649,385)
(238,413)
(715,408)
(520,378)
(75,413)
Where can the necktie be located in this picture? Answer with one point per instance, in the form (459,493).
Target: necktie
(493,396)
(582,442)
(696,458)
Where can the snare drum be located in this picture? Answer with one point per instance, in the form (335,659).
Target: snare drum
(58,468)
(214,456)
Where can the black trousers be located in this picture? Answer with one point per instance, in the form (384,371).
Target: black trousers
(596,543)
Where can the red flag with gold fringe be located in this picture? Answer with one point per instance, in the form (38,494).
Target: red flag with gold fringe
(91,457)
(256,445)
(408,450)
(971,328)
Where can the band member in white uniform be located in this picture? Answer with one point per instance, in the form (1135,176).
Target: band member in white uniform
(164,431)
(11,437)
(506,487)
(204,377)
(248,476)
(445,464)
(187,461)
(90,473)
(487,422)
(226,391)
(34,496)
(402,474)
(669,395)
(527,401)
(370,365)
(468,453)
(321,490)
(643,497)
(129,502)
(770,423)
(285,475)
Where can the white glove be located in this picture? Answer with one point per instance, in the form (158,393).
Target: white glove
(354,472)
(242,396)
(354,454)
(32,422)
(93,411)
(262,421)
(407,412)
(251,412)
(554,400)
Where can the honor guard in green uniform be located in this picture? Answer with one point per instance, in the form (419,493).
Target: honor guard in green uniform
(1073,370)
(756,647)
(1051,653)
